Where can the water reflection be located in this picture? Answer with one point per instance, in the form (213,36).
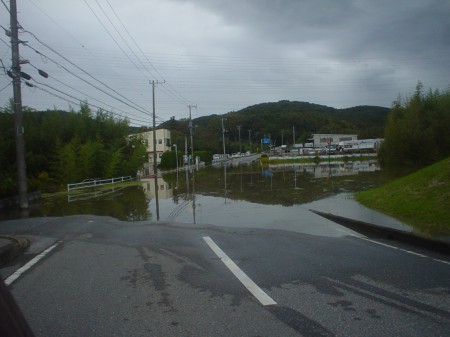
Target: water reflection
(282,184)
(123,203)
(212,194)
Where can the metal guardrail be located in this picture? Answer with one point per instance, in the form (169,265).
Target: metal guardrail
(96,182)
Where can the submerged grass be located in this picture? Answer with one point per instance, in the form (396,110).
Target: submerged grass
(421,199)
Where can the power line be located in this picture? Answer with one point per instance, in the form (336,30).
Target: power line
(172,92)
(85,72)
(134,41)
(109,33)
(77,102)
(6,86)
(93,85)
(79,91)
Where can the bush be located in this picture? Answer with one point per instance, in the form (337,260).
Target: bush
(8,188)
(205,156)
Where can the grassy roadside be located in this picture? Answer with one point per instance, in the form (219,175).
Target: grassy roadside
(421,199)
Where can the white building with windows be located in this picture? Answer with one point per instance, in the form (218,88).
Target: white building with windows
(163,144)
(324,139)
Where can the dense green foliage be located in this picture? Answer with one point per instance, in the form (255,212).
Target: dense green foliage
(168,158)
(65,147)
(278,119)
(418,130)
(420,199)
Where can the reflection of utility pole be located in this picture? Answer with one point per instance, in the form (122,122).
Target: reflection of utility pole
(155,155)
(20,143)
(224,164)
(250,140)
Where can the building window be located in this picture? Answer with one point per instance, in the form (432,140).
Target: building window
(160,155)
(159,141)
(167,142)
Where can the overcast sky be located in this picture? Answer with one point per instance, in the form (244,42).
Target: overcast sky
(223,55)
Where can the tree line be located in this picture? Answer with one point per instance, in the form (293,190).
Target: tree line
(69,146)
(66,147)
(418,129)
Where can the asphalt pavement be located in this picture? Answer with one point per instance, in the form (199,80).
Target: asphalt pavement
(103,277)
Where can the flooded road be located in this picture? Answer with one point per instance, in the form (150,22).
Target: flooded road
(239,195)
(273,197)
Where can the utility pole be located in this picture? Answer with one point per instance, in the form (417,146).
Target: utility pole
(293,134)
(190,131)
(239,130)
(20,142)
(155,155)
(250,140)
(192,154)
(223,141)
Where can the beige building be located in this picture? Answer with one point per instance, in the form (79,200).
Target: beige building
(163,144)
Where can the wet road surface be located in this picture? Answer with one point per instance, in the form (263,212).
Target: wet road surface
(105,277)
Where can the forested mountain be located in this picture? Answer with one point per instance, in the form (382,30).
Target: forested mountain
(279,119)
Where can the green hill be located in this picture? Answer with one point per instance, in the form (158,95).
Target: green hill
(421,199)
(280,120)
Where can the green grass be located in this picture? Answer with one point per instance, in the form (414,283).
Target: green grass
(421,199)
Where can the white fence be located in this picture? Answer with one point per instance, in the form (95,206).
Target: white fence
(96,182)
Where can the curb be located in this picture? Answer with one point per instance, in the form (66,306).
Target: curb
(11,247)
(373,230)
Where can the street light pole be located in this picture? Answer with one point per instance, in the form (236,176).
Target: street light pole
(176,158)
(176,154)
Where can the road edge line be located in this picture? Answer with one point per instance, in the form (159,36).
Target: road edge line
(29,264)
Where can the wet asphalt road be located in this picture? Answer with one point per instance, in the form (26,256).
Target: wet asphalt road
(112,278)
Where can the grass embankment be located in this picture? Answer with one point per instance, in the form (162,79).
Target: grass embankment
(421,199)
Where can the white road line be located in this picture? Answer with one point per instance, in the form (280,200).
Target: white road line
(401,249)
(393,247)
(29,264)
(251,286)
(442,261)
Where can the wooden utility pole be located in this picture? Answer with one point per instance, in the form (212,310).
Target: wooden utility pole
(155,155)
(190,132)
(239,130)
(20,142)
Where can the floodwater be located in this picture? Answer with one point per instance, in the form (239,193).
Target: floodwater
(241,195)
